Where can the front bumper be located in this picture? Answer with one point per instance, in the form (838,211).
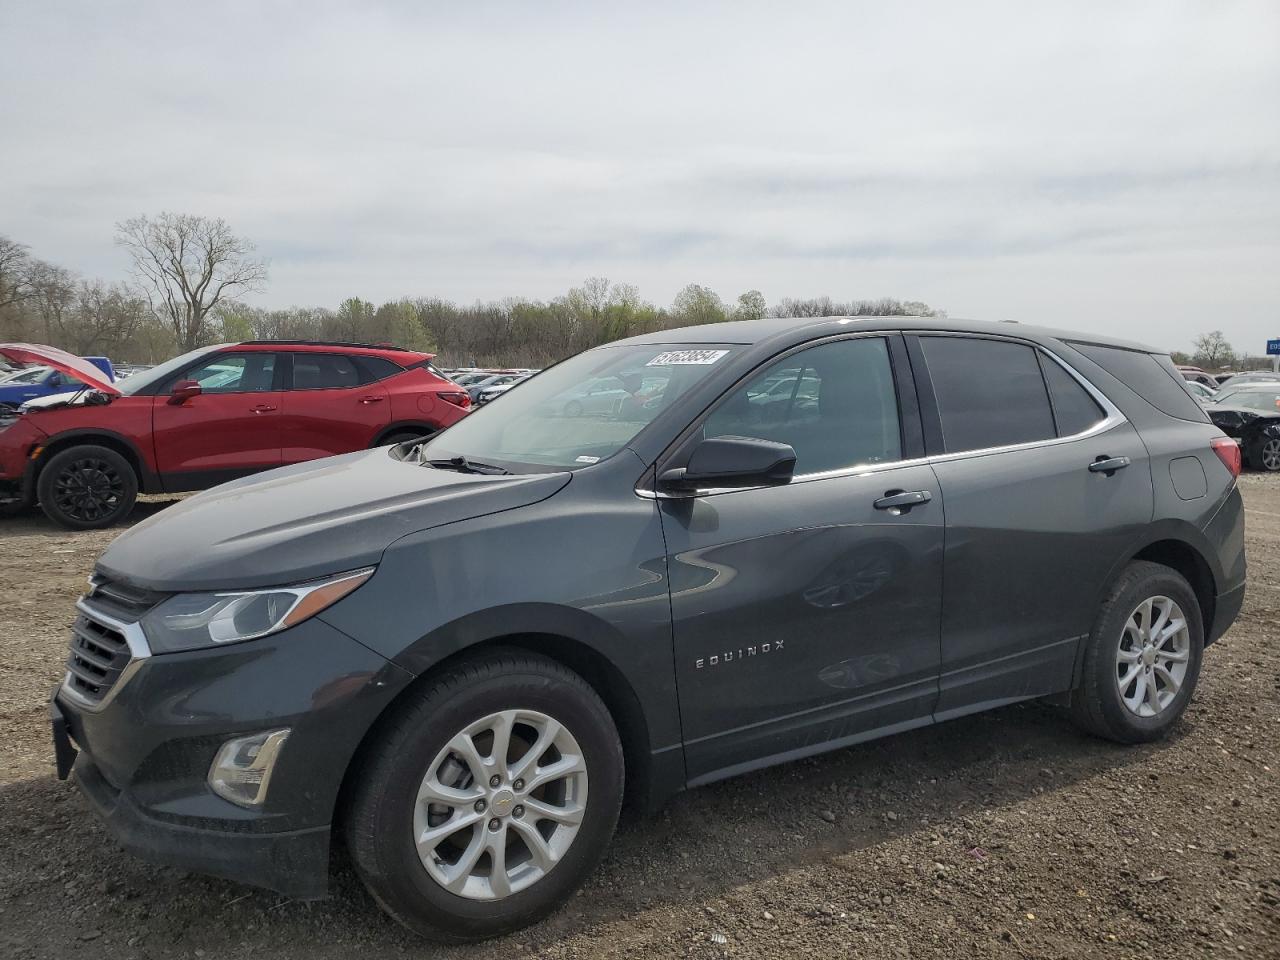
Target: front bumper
(145,751)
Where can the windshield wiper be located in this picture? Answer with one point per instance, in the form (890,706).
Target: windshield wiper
(463,465)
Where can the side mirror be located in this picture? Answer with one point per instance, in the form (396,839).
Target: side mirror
(183,391)
(734,462)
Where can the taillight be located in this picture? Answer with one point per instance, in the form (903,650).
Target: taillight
(456,397)
(1228,452)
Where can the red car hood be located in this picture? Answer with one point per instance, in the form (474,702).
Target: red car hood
(60,360)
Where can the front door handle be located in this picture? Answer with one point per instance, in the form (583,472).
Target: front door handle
(370,399)
(900,501)
(1109,465)
(263,408)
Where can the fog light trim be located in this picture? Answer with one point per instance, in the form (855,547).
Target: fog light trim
(241,771)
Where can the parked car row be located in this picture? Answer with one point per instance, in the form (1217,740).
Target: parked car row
(208,416)
(484,385)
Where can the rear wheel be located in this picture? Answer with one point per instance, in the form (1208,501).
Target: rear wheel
(87,488)
(488,797)
(1143,656)
(1266,455)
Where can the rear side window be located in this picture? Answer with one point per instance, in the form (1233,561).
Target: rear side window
(1154,378)
(376,368)
(1073,409)
(990,393)
(324,371)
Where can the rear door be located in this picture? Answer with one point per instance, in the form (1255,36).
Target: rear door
(1033,524)
(806,615)
(331,406)
(231,429)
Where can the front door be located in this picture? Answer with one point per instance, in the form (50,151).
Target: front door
(807,615)
(231,429)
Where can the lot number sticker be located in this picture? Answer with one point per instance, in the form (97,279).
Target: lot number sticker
(678,357)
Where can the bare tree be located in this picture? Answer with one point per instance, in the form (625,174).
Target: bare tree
(1213,350)
(186,265)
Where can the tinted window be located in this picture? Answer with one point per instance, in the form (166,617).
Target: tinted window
(834,403)
(324,371)
(1153,378)
(378,368)
(234,373)
(990,392)
(1073,409)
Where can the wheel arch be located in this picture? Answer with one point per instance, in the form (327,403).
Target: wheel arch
(401,426)
(147,480)
(1181,556)
(641,790)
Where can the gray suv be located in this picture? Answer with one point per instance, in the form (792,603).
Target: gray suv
(461,657)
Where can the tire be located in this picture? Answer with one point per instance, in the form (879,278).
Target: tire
(1117,646)
(87,488)
(387,813)
(1265,455)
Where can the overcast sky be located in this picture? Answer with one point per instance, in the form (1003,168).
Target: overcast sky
(1104,166)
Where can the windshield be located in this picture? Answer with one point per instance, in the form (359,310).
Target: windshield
(578,412)
(140,382)
(26,375)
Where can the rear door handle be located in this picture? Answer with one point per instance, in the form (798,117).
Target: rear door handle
(900,501)
(370,399)
(1109,465)
(263,408)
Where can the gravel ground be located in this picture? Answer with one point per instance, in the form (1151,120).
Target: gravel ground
(1003,835)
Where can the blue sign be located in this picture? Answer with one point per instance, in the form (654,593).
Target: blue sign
(1273,348)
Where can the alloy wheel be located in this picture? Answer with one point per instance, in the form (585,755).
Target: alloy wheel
(1152,657)
(88,489)
(1271,455)
(500,804)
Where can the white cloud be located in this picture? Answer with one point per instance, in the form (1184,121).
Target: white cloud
(1082,164)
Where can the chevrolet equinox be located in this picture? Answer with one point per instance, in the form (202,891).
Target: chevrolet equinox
(458,657)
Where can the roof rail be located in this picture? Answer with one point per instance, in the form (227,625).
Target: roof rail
(328,343)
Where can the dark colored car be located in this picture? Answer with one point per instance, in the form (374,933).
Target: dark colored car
(459,657)
(208,416)
(1250,413)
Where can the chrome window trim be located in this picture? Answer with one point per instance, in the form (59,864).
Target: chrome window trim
(1112,417)
(139,652)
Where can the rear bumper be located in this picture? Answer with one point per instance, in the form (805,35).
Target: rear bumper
(295,864)
(1226,609)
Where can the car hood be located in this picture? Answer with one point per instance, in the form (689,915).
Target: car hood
(67,363)
(74,398)
(306,521)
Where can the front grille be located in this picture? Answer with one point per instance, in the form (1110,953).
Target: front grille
(98,656)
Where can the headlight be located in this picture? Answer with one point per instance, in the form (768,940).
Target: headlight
(190,621)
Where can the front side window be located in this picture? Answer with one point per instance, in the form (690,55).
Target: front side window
(990,393)
(234,373)
(834,404)
(581,411)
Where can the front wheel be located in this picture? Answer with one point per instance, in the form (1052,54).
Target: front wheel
(87,488)
(1143,656)
(487,797)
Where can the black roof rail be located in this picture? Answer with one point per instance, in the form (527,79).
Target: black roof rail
(327,343)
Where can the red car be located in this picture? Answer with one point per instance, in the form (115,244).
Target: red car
(209,416)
